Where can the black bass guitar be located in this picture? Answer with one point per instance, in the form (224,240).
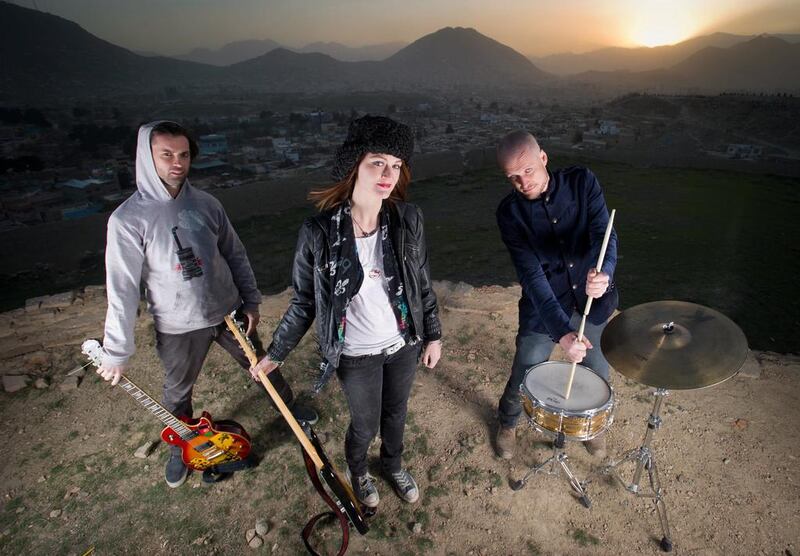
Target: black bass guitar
(343,502)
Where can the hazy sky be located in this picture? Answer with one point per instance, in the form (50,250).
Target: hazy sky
(531,27)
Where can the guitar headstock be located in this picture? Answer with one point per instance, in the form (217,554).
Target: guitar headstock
(94,351)
(241,325)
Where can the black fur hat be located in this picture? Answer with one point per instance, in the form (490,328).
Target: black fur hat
(375,134)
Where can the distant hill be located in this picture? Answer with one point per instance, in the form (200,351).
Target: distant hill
(642,58)
(344,53)
(284,70)
(788,37)
(763,64)
(462,56)
(43,55)
(231,53)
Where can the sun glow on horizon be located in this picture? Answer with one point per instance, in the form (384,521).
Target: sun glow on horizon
(657,24)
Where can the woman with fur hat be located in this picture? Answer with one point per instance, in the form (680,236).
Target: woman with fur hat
(361,270)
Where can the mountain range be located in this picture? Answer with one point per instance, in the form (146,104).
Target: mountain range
(43,56)
(46,56)
(764,63)
(640,58)
(446,59)
(229,54)
(239,51)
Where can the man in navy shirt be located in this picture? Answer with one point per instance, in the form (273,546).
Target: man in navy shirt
(553,225)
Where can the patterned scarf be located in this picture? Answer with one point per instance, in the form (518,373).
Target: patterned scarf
(345,272)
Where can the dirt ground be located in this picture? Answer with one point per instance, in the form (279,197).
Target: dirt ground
(727,454)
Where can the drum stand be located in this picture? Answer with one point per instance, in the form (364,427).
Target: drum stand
(645,459)
(559,457)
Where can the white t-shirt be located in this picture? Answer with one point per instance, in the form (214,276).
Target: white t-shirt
(371,323)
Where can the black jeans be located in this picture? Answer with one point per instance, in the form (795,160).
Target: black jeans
(183,356)
(377,388)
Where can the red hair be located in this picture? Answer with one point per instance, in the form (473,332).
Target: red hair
(336,194)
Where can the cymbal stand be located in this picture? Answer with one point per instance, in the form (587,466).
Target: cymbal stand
(559,457)
(645,459)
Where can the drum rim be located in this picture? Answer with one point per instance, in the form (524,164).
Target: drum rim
(609,404)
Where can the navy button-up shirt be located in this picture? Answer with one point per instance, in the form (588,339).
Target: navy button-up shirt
(554,241)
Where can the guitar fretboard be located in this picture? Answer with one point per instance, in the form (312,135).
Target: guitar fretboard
(156,408)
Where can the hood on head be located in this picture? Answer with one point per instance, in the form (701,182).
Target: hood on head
(147,181)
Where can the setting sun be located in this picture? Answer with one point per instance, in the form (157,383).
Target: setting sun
(660,24)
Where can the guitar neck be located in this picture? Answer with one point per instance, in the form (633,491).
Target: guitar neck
(244,342)
(155,408)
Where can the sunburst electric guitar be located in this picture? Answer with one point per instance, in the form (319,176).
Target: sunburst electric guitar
(204,443)
(343,502)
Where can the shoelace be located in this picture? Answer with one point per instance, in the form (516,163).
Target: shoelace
(365,482)
(403,479)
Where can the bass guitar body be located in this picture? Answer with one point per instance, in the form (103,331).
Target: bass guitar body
(343,493)
(210,443)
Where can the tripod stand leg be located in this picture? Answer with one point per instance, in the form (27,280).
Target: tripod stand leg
(517,485)
(661,507)
(574,482)
(611,469)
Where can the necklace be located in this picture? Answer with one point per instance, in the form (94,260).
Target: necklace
(364,233)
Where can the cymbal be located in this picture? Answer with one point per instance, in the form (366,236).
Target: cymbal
(674,345)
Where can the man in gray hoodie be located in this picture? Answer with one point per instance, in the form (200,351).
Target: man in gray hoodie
(179,243)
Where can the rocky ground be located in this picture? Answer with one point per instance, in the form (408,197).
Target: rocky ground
(73,483)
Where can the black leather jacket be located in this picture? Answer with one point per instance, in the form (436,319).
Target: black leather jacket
(312,284)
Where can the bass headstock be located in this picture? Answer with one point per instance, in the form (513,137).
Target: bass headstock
(241,325)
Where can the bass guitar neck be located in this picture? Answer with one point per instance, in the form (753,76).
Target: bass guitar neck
(247,346)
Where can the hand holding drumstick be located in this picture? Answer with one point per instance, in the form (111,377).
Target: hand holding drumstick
(596,285)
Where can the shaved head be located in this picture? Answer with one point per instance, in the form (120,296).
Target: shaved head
(511,144)
(524,163)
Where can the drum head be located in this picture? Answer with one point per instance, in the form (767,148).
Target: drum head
(547,382)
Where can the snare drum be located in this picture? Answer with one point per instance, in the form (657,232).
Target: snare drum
(588,411)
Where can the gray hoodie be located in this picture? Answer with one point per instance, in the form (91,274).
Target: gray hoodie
(184,250)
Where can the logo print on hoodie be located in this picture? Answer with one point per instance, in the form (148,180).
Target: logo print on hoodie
(190,220)
(190,265)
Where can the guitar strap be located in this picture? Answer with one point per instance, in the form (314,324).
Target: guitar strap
(232,466)
(336,513)
(217,473)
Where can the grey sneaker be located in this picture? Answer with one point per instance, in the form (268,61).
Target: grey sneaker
(364,489)
(175,473)
(405,486)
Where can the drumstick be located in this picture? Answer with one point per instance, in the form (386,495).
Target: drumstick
(589,300)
